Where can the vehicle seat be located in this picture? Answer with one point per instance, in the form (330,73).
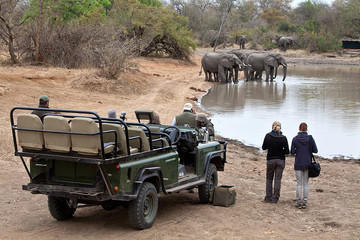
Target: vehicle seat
(135,143)
(57,142)
(87,144)
(29,139)
(157,143)
(121,138)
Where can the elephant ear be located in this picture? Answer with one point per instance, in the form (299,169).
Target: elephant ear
(225,62)
(271,61)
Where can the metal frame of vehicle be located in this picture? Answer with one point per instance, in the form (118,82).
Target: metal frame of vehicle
(97,179)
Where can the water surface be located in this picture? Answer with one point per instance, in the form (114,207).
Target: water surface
(327,98)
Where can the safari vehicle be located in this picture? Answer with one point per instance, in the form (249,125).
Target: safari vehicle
(78,158)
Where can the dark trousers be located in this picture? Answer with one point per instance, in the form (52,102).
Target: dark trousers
(274,170)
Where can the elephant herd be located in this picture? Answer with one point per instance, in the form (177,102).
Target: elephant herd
(225,66)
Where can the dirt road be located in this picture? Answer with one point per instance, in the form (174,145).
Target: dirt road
(165,85)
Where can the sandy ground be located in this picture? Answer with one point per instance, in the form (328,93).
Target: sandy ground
(165,85)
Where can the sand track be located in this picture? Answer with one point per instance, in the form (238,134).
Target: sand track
(164,85)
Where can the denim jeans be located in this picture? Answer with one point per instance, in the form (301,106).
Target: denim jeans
(274,170)
(302,186)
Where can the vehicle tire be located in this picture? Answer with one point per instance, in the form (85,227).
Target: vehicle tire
(206,190)
(109,205)
(143,210)
(59,208)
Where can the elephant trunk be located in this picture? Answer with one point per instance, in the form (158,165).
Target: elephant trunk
(246,74)
(275,72)
(284,70)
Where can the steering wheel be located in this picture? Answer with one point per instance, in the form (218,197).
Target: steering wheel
(174,135)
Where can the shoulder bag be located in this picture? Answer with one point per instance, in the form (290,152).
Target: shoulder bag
(314,169)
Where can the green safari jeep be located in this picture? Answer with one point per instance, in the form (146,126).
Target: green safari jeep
(78,158)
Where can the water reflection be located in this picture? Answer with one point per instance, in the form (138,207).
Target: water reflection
(227,97)
(326,97)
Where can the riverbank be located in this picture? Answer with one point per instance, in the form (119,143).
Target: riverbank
(164,85)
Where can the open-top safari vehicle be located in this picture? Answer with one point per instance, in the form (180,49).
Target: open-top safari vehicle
(78,158)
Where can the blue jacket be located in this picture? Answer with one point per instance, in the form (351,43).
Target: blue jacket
(303,145)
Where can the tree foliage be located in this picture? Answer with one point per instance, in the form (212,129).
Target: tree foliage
(65,32)
(316,26)
(101,33)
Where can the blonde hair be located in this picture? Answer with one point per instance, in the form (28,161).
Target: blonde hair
(276,126)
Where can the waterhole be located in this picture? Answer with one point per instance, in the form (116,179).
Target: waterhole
(327,98)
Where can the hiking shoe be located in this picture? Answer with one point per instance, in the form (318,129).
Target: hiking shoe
(298,205)
(304,206)
(267,200)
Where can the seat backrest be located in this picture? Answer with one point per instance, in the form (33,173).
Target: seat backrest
(85,144)
(29,139)
(135,143)
(57,142)
(110,137)
(157,143)
(155,129)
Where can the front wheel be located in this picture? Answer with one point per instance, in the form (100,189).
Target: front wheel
(143,210)
(206,190)
(59,208)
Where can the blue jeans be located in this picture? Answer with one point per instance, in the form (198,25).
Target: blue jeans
(274,170)
(302,186)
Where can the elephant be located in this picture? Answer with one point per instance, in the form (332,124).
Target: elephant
(243,57)
(218,63)
(241,40)
(266,61)
(284,42)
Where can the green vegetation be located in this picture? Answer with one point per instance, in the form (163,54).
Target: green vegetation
(78,33)
(314,25)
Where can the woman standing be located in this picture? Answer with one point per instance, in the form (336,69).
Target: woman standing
(303,145)
(277,146)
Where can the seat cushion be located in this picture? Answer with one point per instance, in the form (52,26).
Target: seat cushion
(135,143)
(57,142)
(29,139)
(85,144)
(110,137)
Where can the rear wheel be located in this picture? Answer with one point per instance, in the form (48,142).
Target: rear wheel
(143,210)
(59,208)
(206,190)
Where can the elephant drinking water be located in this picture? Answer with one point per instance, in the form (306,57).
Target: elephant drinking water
(220,63)
(267,62)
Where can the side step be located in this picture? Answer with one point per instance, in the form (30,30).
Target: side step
(185,186)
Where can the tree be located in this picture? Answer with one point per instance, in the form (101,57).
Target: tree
(8,10)
(349,12)
(272,16)
(227,9)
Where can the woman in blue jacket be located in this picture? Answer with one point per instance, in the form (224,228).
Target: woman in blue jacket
(303,145)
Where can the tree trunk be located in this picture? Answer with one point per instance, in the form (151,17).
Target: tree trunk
(39,57)
(10,36)
(13,56)
(224,17)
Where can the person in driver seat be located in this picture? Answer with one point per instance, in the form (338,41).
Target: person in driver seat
(44,102)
